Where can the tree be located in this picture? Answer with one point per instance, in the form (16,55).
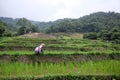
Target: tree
(91,35)
(7,33)
(2,28)
(21,30)
(112,35)
(24,23)
(95,22)
(34,28)
(4,31)
(26,26)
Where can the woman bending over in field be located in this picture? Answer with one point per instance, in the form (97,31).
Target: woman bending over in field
(39,49)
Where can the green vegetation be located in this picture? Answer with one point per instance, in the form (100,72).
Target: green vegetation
(22,52)
(95,22)
(112,35)
(26,26)
(57,46)
(107,67)
(4,31)
(65,56)
(62,57)
(65,77)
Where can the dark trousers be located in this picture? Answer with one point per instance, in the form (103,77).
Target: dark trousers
(37,52)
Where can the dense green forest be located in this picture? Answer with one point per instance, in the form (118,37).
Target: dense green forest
(105,25)
(94,22)
(91,23)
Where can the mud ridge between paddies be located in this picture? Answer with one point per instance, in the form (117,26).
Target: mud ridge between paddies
(65,77)
(58,58)
(53,35)
(37,35)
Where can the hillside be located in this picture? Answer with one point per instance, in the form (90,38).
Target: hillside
(10,22)
(90,23)
(66,55)
(94,22)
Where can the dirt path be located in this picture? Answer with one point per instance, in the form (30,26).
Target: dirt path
(58,58)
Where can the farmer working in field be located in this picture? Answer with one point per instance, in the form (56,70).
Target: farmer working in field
(39,49)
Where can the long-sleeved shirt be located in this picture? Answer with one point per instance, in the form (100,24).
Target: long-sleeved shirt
(39,48)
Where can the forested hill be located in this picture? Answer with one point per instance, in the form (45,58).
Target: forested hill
(91,23)
(10,23)
(94,22)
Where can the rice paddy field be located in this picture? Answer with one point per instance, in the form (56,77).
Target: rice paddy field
(63,59)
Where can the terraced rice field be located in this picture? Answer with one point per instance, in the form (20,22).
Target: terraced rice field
(57,46)
(74,57)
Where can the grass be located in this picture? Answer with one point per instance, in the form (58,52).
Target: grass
(58,44)
(22,52)
(105,67)
(61,46)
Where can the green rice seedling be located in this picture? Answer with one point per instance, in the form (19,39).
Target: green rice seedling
(22,52)
(105,67)
(57,46)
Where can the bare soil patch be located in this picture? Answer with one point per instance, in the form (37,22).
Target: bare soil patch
(38,35)
(58,58)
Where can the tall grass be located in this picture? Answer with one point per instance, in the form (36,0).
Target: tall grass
(105,67)
(64,46)
(22,52)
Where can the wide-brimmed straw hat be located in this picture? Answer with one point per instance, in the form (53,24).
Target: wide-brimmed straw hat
(42,44)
